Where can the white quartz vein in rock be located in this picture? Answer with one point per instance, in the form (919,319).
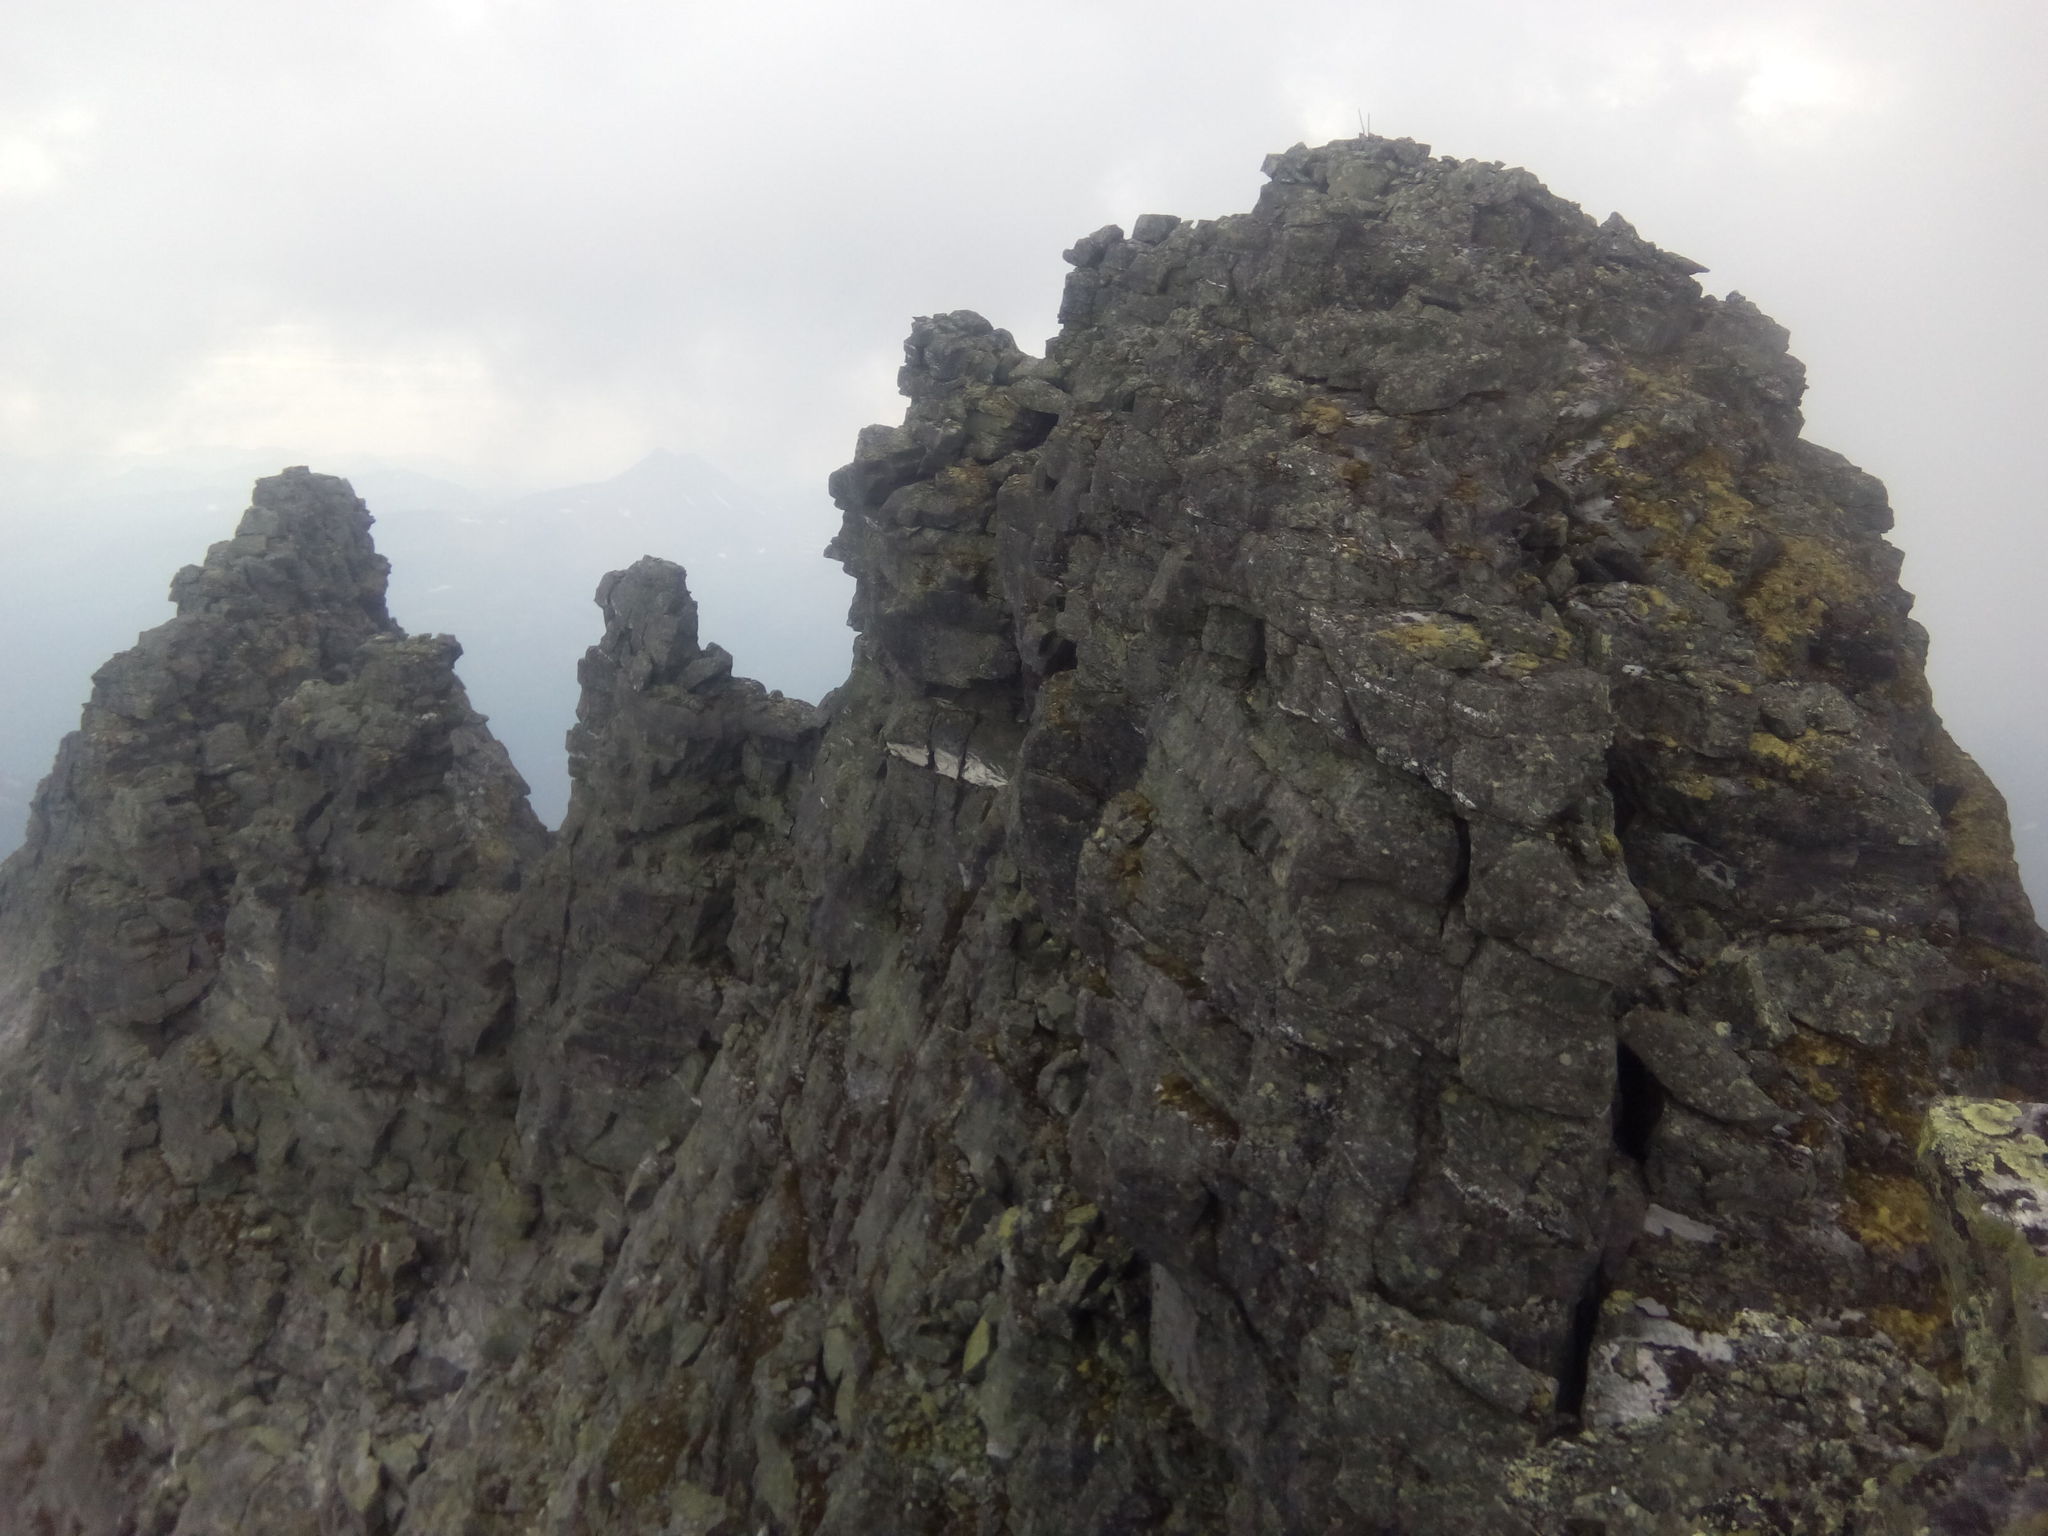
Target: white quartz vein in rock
(975,770)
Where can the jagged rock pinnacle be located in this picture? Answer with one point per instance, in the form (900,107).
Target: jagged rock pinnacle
(303,545)
(1366,948)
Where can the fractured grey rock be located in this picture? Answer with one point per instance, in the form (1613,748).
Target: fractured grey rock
(1363,949)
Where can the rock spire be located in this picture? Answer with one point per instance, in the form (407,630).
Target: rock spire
(1367,947)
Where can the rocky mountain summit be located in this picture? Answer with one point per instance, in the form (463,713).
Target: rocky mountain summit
(1384,938)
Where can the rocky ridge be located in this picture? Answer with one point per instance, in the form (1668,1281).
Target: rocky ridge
(1366,947)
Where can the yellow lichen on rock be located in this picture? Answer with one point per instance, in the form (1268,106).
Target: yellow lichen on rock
(1790,602)
(1322,417)
(1699,513)
(1887,1212)
(1793,758)
(1445,642)
(1985,1162)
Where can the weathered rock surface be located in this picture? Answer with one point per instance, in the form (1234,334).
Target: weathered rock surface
(1985,1163)
(1366,948)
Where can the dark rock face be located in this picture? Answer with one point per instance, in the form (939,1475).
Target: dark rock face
(257,1014)
(1365,949)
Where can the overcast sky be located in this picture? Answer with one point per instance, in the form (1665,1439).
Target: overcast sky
(520,242)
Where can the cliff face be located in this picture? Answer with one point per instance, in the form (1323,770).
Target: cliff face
(1365,948)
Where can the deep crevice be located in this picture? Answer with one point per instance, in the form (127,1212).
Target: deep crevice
(1638,1104)
(1578,1360)
(1056,653)
(1463,879)
(1639,1101)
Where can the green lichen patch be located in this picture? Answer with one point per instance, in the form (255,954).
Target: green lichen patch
(1703,522)
(1985,1163)
(1797,759)
(1790,602)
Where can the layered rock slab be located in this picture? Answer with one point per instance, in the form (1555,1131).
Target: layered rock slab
(1364,949)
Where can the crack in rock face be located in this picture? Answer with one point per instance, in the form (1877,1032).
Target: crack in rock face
(1383,937)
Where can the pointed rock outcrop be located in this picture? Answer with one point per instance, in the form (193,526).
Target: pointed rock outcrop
(255,1015)
(1366,947)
